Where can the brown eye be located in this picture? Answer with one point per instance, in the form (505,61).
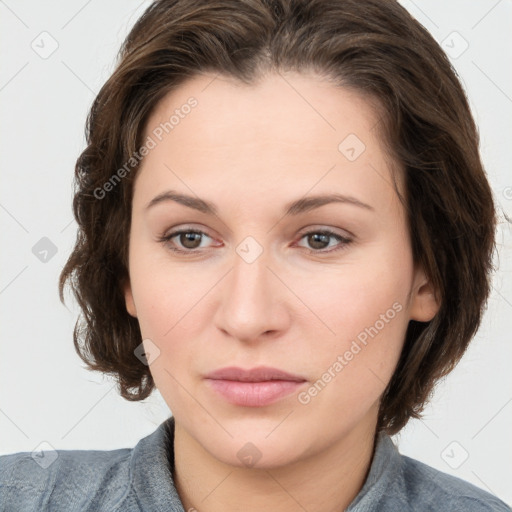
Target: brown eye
(185,240)
(318,241)
(190,240)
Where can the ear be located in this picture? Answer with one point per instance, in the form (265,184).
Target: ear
(128,298)
(423,304)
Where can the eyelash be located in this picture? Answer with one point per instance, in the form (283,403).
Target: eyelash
(166,239)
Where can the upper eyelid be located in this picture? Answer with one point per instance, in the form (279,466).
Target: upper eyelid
(342,238)
(170,233)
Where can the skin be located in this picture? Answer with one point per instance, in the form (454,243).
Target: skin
(251,150)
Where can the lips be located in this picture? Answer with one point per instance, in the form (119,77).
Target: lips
(259,374)
(256,387)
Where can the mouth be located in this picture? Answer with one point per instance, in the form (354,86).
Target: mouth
(256,387)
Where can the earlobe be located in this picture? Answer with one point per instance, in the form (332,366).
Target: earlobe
(424,303)
(128,297)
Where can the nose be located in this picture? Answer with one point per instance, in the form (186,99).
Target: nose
(252,301)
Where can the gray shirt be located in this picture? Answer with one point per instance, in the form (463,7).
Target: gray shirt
(140,479)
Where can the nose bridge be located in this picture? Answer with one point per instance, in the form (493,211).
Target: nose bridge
(250,270)
(250,283)
(250,305)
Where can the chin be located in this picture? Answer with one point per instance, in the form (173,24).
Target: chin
(257,455)
(254,445)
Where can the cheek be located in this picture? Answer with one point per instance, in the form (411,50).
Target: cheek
(353,368)
(165,293)
(171,319)
(356,297)
(173,306)
(364,318)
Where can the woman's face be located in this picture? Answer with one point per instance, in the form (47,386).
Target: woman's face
(322,290)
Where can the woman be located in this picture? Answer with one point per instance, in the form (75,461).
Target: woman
(285,227)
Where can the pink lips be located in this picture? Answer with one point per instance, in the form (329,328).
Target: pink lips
(256,387)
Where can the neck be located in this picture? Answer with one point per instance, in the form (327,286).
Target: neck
(325,482)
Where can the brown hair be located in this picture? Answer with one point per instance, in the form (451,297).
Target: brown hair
(372,46)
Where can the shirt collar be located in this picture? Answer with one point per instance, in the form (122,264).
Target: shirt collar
(151,470)
(384,468)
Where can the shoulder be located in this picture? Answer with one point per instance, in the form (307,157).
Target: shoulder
(64,479)
(437,490)
(398,482)
(123,480)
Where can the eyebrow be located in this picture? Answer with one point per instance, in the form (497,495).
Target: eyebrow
(294,208)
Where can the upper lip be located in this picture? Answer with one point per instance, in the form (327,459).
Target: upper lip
(259,374)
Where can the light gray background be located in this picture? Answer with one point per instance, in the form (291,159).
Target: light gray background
(46,395)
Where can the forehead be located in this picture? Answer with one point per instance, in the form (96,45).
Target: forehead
(296,130)
(275,101)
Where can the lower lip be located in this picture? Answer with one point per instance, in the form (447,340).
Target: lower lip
(254,394)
